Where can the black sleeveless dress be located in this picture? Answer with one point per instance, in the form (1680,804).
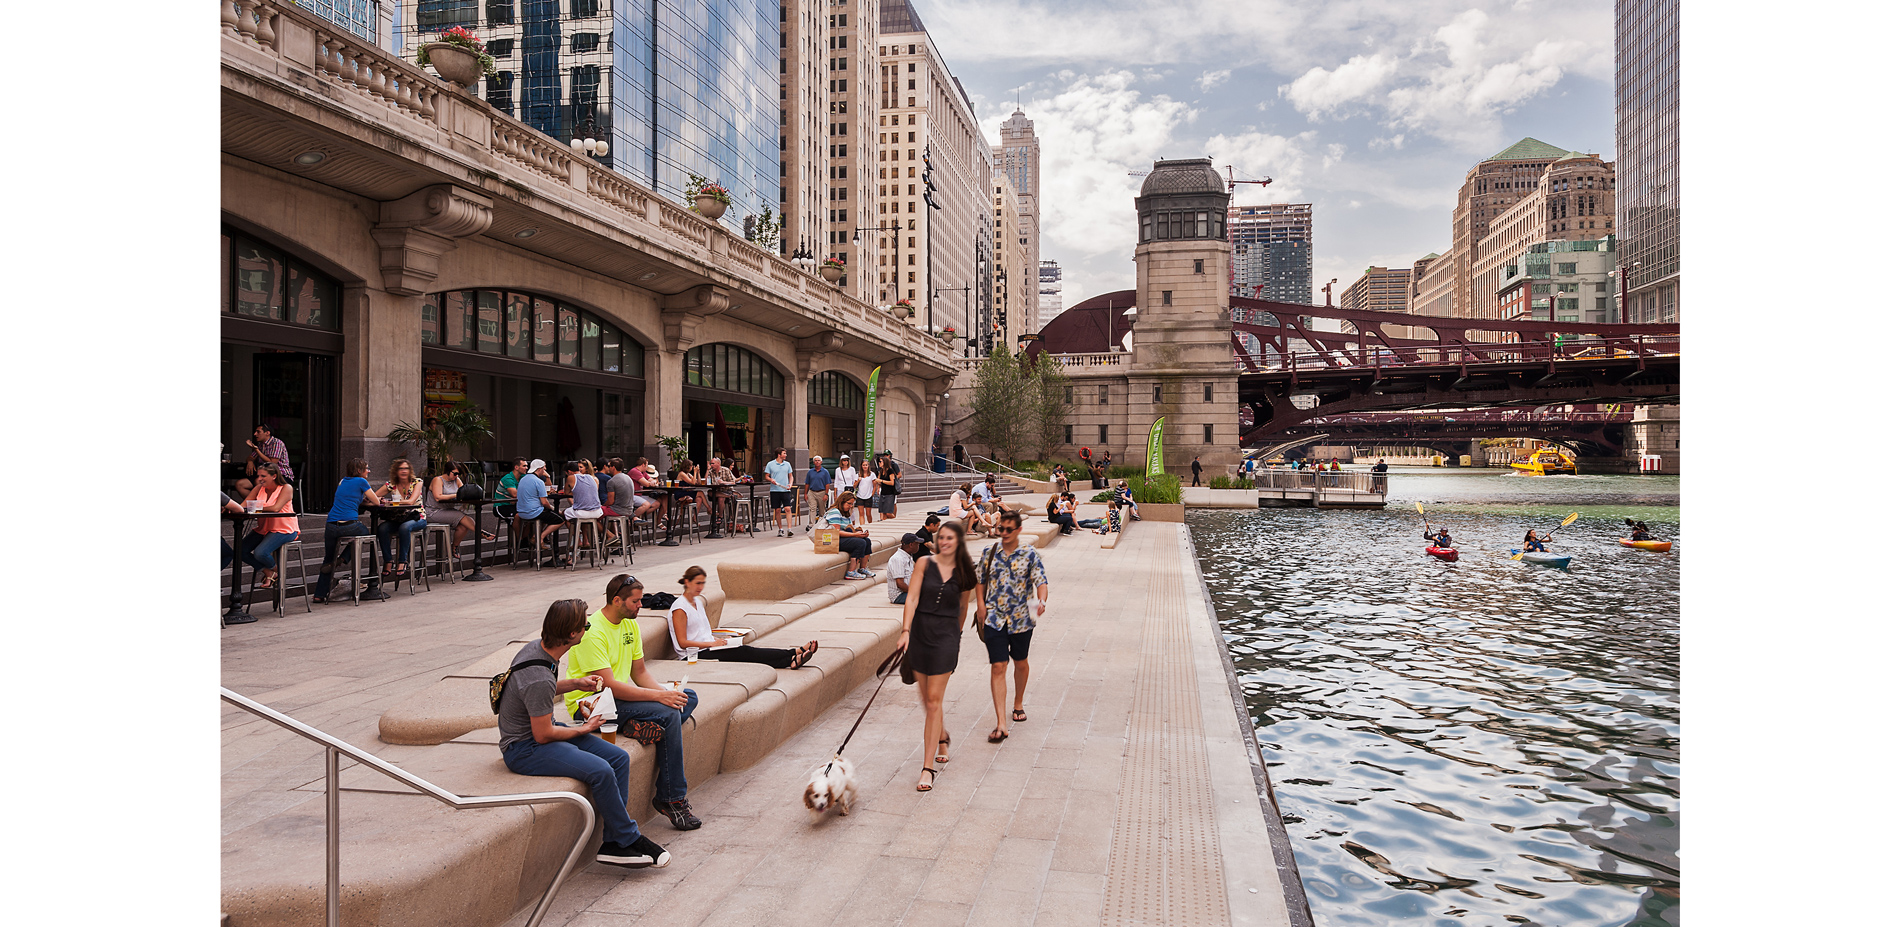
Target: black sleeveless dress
(936,628)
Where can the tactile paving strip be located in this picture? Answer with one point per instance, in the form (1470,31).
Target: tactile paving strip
(1164,865)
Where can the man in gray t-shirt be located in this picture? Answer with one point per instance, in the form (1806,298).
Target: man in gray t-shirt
(533,744)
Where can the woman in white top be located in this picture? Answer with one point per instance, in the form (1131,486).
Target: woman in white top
(867,494)
(688,626)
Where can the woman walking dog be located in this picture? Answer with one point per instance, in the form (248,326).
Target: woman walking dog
(933,621)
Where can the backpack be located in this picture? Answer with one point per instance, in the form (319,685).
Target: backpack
(499,681)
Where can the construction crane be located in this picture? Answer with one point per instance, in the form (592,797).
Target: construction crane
(1231,182)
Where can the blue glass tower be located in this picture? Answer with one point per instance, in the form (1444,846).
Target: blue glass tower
(679,86)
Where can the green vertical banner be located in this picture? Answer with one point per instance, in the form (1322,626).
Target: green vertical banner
(1154,447)
(870,416)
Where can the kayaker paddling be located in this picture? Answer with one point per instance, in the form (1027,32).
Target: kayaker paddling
(1441,539)
(1533,544)
(1638,530)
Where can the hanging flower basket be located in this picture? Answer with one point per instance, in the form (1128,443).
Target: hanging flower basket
(904,310)
(832,269)
(707,198)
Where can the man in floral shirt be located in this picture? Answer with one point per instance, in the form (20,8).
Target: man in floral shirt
(1005,578)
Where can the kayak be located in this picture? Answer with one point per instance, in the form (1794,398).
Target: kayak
(1447,554)
(1646,545)
(1559,561)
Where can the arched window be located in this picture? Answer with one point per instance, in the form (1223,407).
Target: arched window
(734,369)
(529,327)
(261,282)
(834,390)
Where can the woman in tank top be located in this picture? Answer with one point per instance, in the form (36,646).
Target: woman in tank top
(689,627)
(933,626)
(445,509)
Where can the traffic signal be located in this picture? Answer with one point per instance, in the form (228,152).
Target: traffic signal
(930,186)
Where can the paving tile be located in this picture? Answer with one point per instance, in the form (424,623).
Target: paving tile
(935,914)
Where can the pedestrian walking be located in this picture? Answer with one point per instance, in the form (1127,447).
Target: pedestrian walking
(779,471)
(1009,575)
(1196,467)
(944,584)
(817,490)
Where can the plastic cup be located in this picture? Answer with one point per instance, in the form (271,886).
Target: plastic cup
(692,656)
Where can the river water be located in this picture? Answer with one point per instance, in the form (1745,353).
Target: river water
(1478,743)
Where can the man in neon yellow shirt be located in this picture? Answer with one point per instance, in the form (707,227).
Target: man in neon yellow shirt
(647,711)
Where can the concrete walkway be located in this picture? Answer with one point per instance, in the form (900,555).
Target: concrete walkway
(1127,797)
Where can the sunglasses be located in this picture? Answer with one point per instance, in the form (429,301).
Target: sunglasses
(622,584)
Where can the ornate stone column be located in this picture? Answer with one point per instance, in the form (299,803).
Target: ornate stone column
(380,373)
(680,317)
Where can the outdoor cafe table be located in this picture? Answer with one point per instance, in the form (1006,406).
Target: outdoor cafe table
(237,613)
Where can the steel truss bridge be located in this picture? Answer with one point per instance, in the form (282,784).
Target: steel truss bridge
(1293,372)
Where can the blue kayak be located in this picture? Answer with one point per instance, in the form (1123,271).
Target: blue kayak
(1559,561)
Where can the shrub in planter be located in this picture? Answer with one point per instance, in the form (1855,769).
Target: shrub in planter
(1126,471)
(1165,489)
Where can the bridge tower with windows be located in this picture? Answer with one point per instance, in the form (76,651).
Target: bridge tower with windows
(1182,337)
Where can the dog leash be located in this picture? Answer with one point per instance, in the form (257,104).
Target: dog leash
(889,666)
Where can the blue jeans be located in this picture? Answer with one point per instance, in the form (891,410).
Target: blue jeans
(670,764)
(260,550)
(333,534)
(389,530)
(596,762)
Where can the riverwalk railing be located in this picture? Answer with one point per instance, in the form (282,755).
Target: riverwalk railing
(1343,480)
(332,792)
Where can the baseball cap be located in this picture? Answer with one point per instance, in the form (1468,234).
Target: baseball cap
(909,538)
(536,464)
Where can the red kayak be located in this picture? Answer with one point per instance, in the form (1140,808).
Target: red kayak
(1447,554)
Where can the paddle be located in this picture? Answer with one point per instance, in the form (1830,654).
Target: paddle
(1566,523)
(1421,516)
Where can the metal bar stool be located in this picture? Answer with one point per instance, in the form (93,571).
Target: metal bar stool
(623,540)
(419,559)
(582,530)
(288,554)
(524,529)
(743,513)
(356,547)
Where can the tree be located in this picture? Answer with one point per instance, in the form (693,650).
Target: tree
(997,405)
(1049,406)
(463,424)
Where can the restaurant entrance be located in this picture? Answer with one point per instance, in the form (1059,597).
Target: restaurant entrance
(835,422)
(735,407)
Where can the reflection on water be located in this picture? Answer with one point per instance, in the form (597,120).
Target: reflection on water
(1486,742)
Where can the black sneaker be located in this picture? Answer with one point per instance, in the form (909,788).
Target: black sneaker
(640,854)
(679,812)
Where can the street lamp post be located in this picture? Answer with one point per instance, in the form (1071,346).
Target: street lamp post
(1623,281)
(971,336)
(857,235)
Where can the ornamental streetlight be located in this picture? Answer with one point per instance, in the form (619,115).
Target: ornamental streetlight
(589,140)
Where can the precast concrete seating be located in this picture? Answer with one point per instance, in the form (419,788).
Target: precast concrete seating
(409,860)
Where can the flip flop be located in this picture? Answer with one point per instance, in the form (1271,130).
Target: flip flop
(998,735)
(1018,715)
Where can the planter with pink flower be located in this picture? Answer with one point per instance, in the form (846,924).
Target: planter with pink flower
(902,310)
(458,57)
(832,270)
(707,198)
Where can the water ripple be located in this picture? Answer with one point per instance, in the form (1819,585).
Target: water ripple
(1486,742)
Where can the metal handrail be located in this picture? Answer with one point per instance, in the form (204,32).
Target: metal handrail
(1000,466)
(332,792)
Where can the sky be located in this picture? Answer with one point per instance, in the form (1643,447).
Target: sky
(1371,110)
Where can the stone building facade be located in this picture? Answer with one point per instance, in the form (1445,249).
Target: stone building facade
(382,257)
(1172,357)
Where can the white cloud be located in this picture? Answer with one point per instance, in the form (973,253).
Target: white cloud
(1320,92)
(1211,79)
(1093,131)
(1260,155)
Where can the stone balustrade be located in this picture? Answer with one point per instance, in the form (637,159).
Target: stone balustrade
(278,43)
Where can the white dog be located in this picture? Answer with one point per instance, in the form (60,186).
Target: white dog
(831,784)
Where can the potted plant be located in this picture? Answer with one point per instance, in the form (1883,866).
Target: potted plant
(948,334)
(902,309)
(462,424)
(831,270)
(705,197)
(675,452)
(457,56)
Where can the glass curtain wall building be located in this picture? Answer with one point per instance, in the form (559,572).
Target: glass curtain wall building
(1273,251)
(1647,162)
(679,86)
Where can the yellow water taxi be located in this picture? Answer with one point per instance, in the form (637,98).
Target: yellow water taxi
(1545,461)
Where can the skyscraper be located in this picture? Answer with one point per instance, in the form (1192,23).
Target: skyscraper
(942,257)
(679,86)
(1019,155)
(1491,187)
(1381,289)
(1273,251)
(1647,139)
(828,125)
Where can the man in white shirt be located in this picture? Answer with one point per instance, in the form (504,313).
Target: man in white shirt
(898,570)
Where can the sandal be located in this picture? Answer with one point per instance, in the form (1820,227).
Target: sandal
(943,749)
(933,780)
(1018,715)
(998,735)
(799,657)
(268,582)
